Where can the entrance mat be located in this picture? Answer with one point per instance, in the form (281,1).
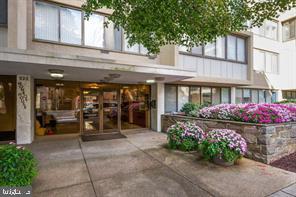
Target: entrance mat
(105,136)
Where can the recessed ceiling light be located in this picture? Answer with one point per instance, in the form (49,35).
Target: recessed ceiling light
(56,73)
(150,81)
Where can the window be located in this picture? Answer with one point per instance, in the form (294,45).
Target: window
(183,96)
(246,96)
(118,39)
(231,47)
(289,94)
(94,31)
(195,94)
(3,12)
(210,49)
(241,50)
(206,96)
(266,61)
(236,49)
(66,25)
(136,48)
(197,50)
(216,96)
(289,30)
(269,29)
(268,95)
(46,21)
(225,95)
(238,96)
(261,96)
(220,47)
(170,98)
(254,98)
(70,26)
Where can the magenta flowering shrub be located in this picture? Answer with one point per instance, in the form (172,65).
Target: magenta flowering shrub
(254,113)
(185,136)
(224,143)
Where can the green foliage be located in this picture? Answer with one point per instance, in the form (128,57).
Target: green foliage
(155,23)
(189,107)
(18,166)
(184,136)
(288,101)
(211,150)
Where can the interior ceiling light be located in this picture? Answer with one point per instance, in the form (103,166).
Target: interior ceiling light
(150,81)
(56,73)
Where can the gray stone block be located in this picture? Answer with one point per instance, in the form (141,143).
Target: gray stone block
(285,134)
(268,130)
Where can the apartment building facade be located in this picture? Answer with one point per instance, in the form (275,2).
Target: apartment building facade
(63,74)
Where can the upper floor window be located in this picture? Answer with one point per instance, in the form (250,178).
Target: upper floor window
(269,29)
(67,25)
(230,48)
(289,30)
(266,61)
(3,12)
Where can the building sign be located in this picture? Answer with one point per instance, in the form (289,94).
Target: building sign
(22,96)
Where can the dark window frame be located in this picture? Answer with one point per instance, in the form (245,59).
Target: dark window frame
(289,21)
(104,48)
(203,55)
(4,23)
(200,92)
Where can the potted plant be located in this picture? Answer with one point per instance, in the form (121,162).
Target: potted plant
(185,136)
(223,146)
(18,167)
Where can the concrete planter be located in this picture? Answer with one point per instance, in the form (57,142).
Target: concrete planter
(266,142)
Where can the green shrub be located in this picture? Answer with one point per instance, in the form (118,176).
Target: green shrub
(223,143)
(191,108)
(18,167)
(288,101)
(185,136)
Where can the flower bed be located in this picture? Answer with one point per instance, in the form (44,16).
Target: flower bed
(266,142)
(252,113)
(185,136)
(223,144)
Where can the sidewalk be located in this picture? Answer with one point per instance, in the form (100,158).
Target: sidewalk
(139,165)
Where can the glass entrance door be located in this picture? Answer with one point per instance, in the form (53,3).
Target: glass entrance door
(99,111)
(90,111)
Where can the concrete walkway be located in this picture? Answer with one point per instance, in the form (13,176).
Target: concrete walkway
(140,166)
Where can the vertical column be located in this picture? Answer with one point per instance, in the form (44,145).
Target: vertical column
(24,109)
(17,24)
(233,95)
(157,108)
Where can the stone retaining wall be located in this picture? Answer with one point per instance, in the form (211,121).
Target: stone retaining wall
(266,142)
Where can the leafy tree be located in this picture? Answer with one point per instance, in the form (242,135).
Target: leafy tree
(155,23)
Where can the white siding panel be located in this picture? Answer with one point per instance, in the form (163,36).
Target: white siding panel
(189,63)
(223,69)
(200,66)
(213,68)
(207,67)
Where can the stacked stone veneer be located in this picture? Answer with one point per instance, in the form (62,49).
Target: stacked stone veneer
(266,142)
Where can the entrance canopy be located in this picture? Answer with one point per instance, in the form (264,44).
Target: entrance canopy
(77,68)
